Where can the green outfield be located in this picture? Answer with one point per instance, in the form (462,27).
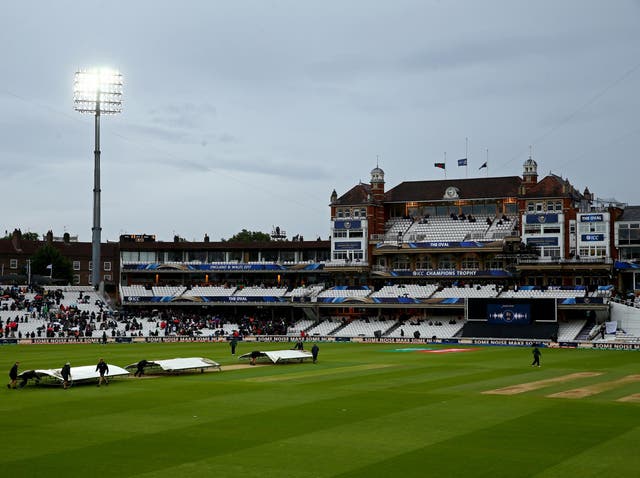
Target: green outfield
(363,410)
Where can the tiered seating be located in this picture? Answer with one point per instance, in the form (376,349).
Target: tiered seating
(405,290)
(324,328)
(212,291)
(396,226)
(362,328)
(261,292)
(501,227)
(465,292)
(603,291)
(85,300)
(438,228)
(299,326)
(135,291)
(344,292)
(568,331)
(310,291)
(551,292)
(168,291)
(446,330)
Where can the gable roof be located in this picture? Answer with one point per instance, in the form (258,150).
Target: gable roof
(357,195)
(552,186)
(476,188)
(630,213)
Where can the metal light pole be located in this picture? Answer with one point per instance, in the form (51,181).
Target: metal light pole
(97,91)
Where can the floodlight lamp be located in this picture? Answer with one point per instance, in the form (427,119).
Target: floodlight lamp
(98,91)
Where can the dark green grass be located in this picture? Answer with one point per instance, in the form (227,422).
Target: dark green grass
(362,411)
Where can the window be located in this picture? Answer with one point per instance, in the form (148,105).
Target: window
(76,279)
(593,251)
(76,267)
(493,264)
(400,262)
(423,263)
(539,207)
(446,262)
(89,279)
(107,266)
(531,207)
(340,212)
(558,205)
(553,252)
(13,263)
(340,233)
(107,277)
(470,262)
(90,265)
(355,233)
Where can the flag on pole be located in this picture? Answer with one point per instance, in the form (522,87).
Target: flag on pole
(484,165)
(50,266)
(440,165)
(462,162)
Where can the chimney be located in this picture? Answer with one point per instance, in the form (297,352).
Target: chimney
(16,239)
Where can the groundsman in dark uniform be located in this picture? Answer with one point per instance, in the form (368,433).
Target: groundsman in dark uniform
(103,368)
(66,375)
(13,376)
(536,357)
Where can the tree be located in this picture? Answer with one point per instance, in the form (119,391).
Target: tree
(49,255)
(29,236)
(249,236)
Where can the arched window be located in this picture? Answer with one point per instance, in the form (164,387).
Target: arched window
(401,262)
(423,262)
(470,262)
(491,263)
(446,261)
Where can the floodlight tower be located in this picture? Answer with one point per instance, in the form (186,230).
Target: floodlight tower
(97,91)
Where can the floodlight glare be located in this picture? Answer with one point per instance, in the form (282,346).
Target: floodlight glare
(97,91)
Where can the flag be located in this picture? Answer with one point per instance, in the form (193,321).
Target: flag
(484,165)
(50,266)
(462,162)
(440,165)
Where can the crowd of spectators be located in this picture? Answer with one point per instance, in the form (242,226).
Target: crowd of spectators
(47,307)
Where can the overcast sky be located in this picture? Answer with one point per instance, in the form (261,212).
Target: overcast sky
(247,114)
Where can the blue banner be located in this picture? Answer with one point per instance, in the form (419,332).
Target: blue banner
(591,218)
(444,244)
(203,267)
(356,224)
(541,218)
(592,237)
(347,246)
(542,241)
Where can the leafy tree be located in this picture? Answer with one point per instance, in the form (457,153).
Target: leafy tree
(29,236)
(249,236)
(47,254)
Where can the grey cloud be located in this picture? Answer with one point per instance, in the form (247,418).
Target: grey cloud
(186,115)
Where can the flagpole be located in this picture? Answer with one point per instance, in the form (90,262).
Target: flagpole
(466,156)
(487,162)
(445,165)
